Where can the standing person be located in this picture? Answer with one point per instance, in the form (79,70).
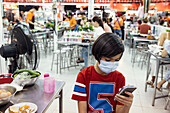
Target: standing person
(98,30)
(143,28)
(31,18)
(97,85)
(118,22)
(106,26)
(73,22)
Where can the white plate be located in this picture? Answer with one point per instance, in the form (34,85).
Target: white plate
(32,106)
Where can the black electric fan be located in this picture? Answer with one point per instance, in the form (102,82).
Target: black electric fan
(22,51)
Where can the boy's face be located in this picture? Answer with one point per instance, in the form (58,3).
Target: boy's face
(112,59)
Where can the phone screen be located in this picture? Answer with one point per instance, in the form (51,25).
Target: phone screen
(127,89)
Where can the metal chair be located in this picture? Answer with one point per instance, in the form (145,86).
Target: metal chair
(57,52)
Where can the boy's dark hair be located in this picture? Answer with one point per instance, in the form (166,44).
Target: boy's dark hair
(107,45)
(162,22)
(145,20)
(98,20)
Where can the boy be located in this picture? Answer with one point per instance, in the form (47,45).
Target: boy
(97,85)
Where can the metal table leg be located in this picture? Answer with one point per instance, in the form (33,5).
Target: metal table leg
(147,74)
(157,72)
(61,102)
(133,58)
(60,61)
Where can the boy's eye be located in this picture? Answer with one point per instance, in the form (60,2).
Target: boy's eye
(107,60)
(117,59)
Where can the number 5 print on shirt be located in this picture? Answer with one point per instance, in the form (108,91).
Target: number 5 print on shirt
(96,91)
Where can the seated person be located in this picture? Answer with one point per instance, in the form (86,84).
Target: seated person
(165,52)
(143,28)
(164,80)
(97,85)
(164,41)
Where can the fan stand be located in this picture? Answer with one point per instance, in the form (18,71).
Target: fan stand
(13,66)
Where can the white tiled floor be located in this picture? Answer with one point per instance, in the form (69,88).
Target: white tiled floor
(136,76)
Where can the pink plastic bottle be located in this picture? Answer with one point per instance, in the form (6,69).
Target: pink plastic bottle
(49,84)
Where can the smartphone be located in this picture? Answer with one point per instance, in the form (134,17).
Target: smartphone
(126,89)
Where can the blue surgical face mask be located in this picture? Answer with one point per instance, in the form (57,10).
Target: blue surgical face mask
(108,67)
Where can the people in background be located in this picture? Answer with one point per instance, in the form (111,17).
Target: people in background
(73,22)
(98,30)
(78,24)
(98,27)
(106,26)
(144,27)
(165,53)
(102,81)
(83,21)
(164,41)
(118,22)
(122,27)
(31,18)
(164,80)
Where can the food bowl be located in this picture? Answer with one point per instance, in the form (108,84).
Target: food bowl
(26,82)
(9,88)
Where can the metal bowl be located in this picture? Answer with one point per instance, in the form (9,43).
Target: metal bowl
(9,88)
(27,82)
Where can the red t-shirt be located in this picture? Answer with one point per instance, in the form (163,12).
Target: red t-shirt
(98,90)
(144,28)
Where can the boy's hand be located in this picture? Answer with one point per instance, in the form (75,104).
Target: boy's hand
(127,101)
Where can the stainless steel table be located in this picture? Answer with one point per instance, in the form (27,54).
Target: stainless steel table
(159,62)
(35,94)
